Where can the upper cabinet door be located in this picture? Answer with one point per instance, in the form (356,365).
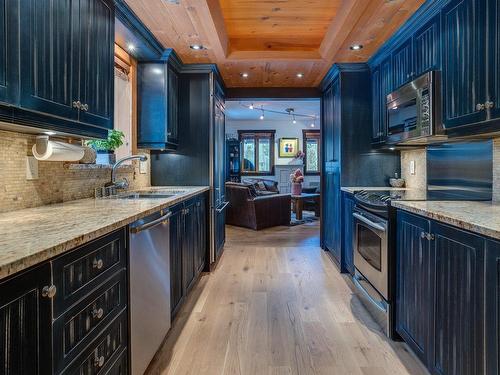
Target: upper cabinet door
(402,64)
(463,41)
(49,50)
(427,48)
(376,106)
(173,107)
(9,40)
(386,87)
(96,62)
(494,58)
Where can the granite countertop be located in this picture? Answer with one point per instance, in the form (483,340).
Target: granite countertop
(354,189)
(31,236)
(477,217)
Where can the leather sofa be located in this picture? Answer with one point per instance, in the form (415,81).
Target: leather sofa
(263,186)
(249,210)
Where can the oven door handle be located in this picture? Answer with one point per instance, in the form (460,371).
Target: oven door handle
(379,305)
(369,222)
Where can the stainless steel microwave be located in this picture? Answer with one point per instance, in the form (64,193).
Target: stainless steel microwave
(414,112)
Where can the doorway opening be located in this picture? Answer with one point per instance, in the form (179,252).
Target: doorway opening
(273,150)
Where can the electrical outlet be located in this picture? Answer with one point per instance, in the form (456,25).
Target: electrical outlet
(143,167)
(31,168)
(412,167)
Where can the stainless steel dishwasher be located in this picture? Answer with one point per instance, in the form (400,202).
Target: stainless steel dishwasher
(149,287)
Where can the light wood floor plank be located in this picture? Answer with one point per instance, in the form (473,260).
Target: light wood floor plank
(277,305)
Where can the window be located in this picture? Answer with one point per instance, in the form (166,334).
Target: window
(257,152)
(311,139)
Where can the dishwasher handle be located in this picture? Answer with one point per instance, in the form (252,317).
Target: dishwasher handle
(152,224)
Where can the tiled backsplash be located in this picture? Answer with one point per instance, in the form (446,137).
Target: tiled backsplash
(419,179)
(56,182)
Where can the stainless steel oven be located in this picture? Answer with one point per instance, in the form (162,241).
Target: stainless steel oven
(371,249)
(371,252)
(414,112)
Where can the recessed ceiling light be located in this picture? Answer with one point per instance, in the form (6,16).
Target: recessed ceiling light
(300,75)
(197,47)
(392,148)
(244,75)
(313,125)
(157,71)
(131,47)
(356,47)
(49,133)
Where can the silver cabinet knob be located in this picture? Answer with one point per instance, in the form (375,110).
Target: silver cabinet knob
(49,291)
(77,105)
(85,107)
(480,107)
(97,263)
(427,236)
(98,313)
(489,105)
(99,361)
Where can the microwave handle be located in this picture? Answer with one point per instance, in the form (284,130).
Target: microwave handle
(368,222)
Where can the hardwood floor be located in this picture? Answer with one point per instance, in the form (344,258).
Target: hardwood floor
(276,304)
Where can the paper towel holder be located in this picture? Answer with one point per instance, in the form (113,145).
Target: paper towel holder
(46,150)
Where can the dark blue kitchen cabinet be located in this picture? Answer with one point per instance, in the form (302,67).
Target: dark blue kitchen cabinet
(386,87)
(414,289)
(348,235)
(158,107)
(459,307)
(402,63)
(96,62)
(427,47)
(494,59)
(9,39)
(377,126)
(49,57)
(492,307)
(464,65)
(25,318)
(56,71)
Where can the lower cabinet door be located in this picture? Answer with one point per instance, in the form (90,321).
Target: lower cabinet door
(176,236)
(188,246)
(492,313)
(201,235)
(414,290)
(348,250)
(459,307)
(25,323)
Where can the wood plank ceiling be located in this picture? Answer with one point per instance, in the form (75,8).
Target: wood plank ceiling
(273,40)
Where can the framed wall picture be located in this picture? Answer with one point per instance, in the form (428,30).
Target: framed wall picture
(288,147)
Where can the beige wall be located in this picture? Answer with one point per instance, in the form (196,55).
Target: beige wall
(56,182)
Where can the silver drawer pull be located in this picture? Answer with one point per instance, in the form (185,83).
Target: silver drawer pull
(98,263)
(99,361)
(97,313)
(49,291)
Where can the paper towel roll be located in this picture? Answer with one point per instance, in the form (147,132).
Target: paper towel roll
(47,150)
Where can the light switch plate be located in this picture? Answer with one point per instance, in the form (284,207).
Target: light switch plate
(412,167)
(31,168)
(143,167)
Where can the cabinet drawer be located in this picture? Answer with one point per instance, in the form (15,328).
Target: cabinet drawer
(120,366)
(102,354)
(82,270)
(76,328)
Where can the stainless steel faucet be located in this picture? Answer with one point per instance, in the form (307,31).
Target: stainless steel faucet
(123,184)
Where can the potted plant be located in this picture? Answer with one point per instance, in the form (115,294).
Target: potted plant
(105,148)
(297,178)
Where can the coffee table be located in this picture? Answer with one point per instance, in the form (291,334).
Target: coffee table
(298,204)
